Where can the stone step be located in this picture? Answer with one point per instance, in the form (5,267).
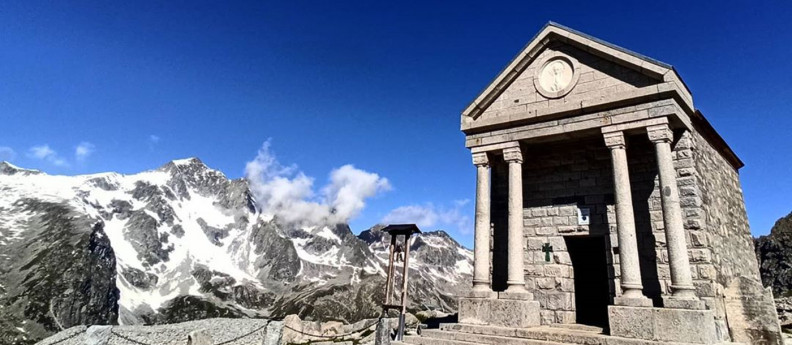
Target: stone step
(578,327)
(422,340)
(566,335)
(438,334)
(552,335)
(437,337)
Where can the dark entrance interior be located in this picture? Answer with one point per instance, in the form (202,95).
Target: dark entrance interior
(592,294)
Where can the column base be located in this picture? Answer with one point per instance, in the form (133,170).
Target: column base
(499,312)
(662,324)
(633,301)
(516,287)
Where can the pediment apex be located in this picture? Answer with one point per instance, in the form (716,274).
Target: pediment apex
(556,32)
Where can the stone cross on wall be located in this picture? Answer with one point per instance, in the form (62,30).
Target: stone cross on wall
(547,249)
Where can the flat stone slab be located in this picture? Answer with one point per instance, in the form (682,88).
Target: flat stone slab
(676,303)
(522,296)
(479,294)
(455,332)
(663,324)
(499,312)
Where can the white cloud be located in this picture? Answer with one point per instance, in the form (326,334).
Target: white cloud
(153,140)
(7,153)
(423,216)
(288,193)
(44,152)
(82,151)
(430,216)
(349,188)
(461,203)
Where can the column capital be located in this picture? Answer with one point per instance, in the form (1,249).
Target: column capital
(615,140)
(660,133)
(480,159)
(513,154)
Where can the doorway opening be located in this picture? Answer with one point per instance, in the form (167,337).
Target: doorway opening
(592,292)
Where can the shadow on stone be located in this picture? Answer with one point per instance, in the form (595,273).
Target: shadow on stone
(435,322)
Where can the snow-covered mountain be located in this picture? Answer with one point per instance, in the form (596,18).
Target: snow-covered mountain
(184,242)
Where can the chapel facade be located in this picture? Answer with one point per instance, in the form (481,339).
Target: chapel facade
(604,198)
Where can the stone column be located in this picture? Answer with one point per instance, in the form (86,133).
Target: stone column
(681,279)
(632,294)
(516,272)
(481,251)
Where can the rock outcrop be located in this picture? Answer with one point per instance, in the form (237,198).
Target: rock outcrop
(774,252)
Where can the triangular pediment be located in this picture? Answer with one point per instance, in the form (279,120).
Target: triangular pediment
(564,69)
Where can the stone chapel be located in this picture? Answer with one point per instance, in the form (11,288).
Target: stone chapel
(605,203)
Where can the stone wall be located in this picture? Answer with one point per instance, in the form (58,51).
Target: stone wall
(559,178)
(728,272)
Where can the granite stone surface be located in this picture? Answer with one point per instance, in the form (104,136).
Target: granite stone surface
(499,312)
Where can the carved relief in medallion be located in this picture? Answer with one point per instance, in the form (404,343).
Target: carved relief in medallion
(556,76)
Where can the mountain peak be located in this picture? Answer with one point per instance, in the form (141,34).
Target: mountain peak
(187,161)
(190,164)
(7,168)
(374,234)
(443,235)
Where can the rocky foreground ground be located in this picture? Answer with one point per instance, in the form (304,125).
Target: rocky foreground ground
(221,331)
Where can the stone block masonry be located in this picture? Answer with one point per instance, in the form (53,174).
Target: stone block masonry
(499,312)
(663,324)
(560,179)
(563,178)
(726,265)
(596,79)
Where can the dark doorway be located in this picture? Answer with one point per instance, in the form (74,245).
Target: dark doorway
(592,294)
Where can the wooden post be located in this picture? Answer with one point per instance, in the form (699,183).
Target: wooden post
(389,281)
(404,273)
(396,230)
(405,270)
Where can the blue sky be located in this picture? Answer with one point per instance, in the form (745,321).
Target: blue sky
(380,86)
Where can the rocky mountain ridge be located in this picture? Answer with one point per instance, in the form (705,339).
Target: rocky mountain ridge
(184,242)
(774,253)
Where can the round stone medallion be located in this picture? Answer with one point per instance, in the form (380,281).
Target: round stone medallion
(556,77)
